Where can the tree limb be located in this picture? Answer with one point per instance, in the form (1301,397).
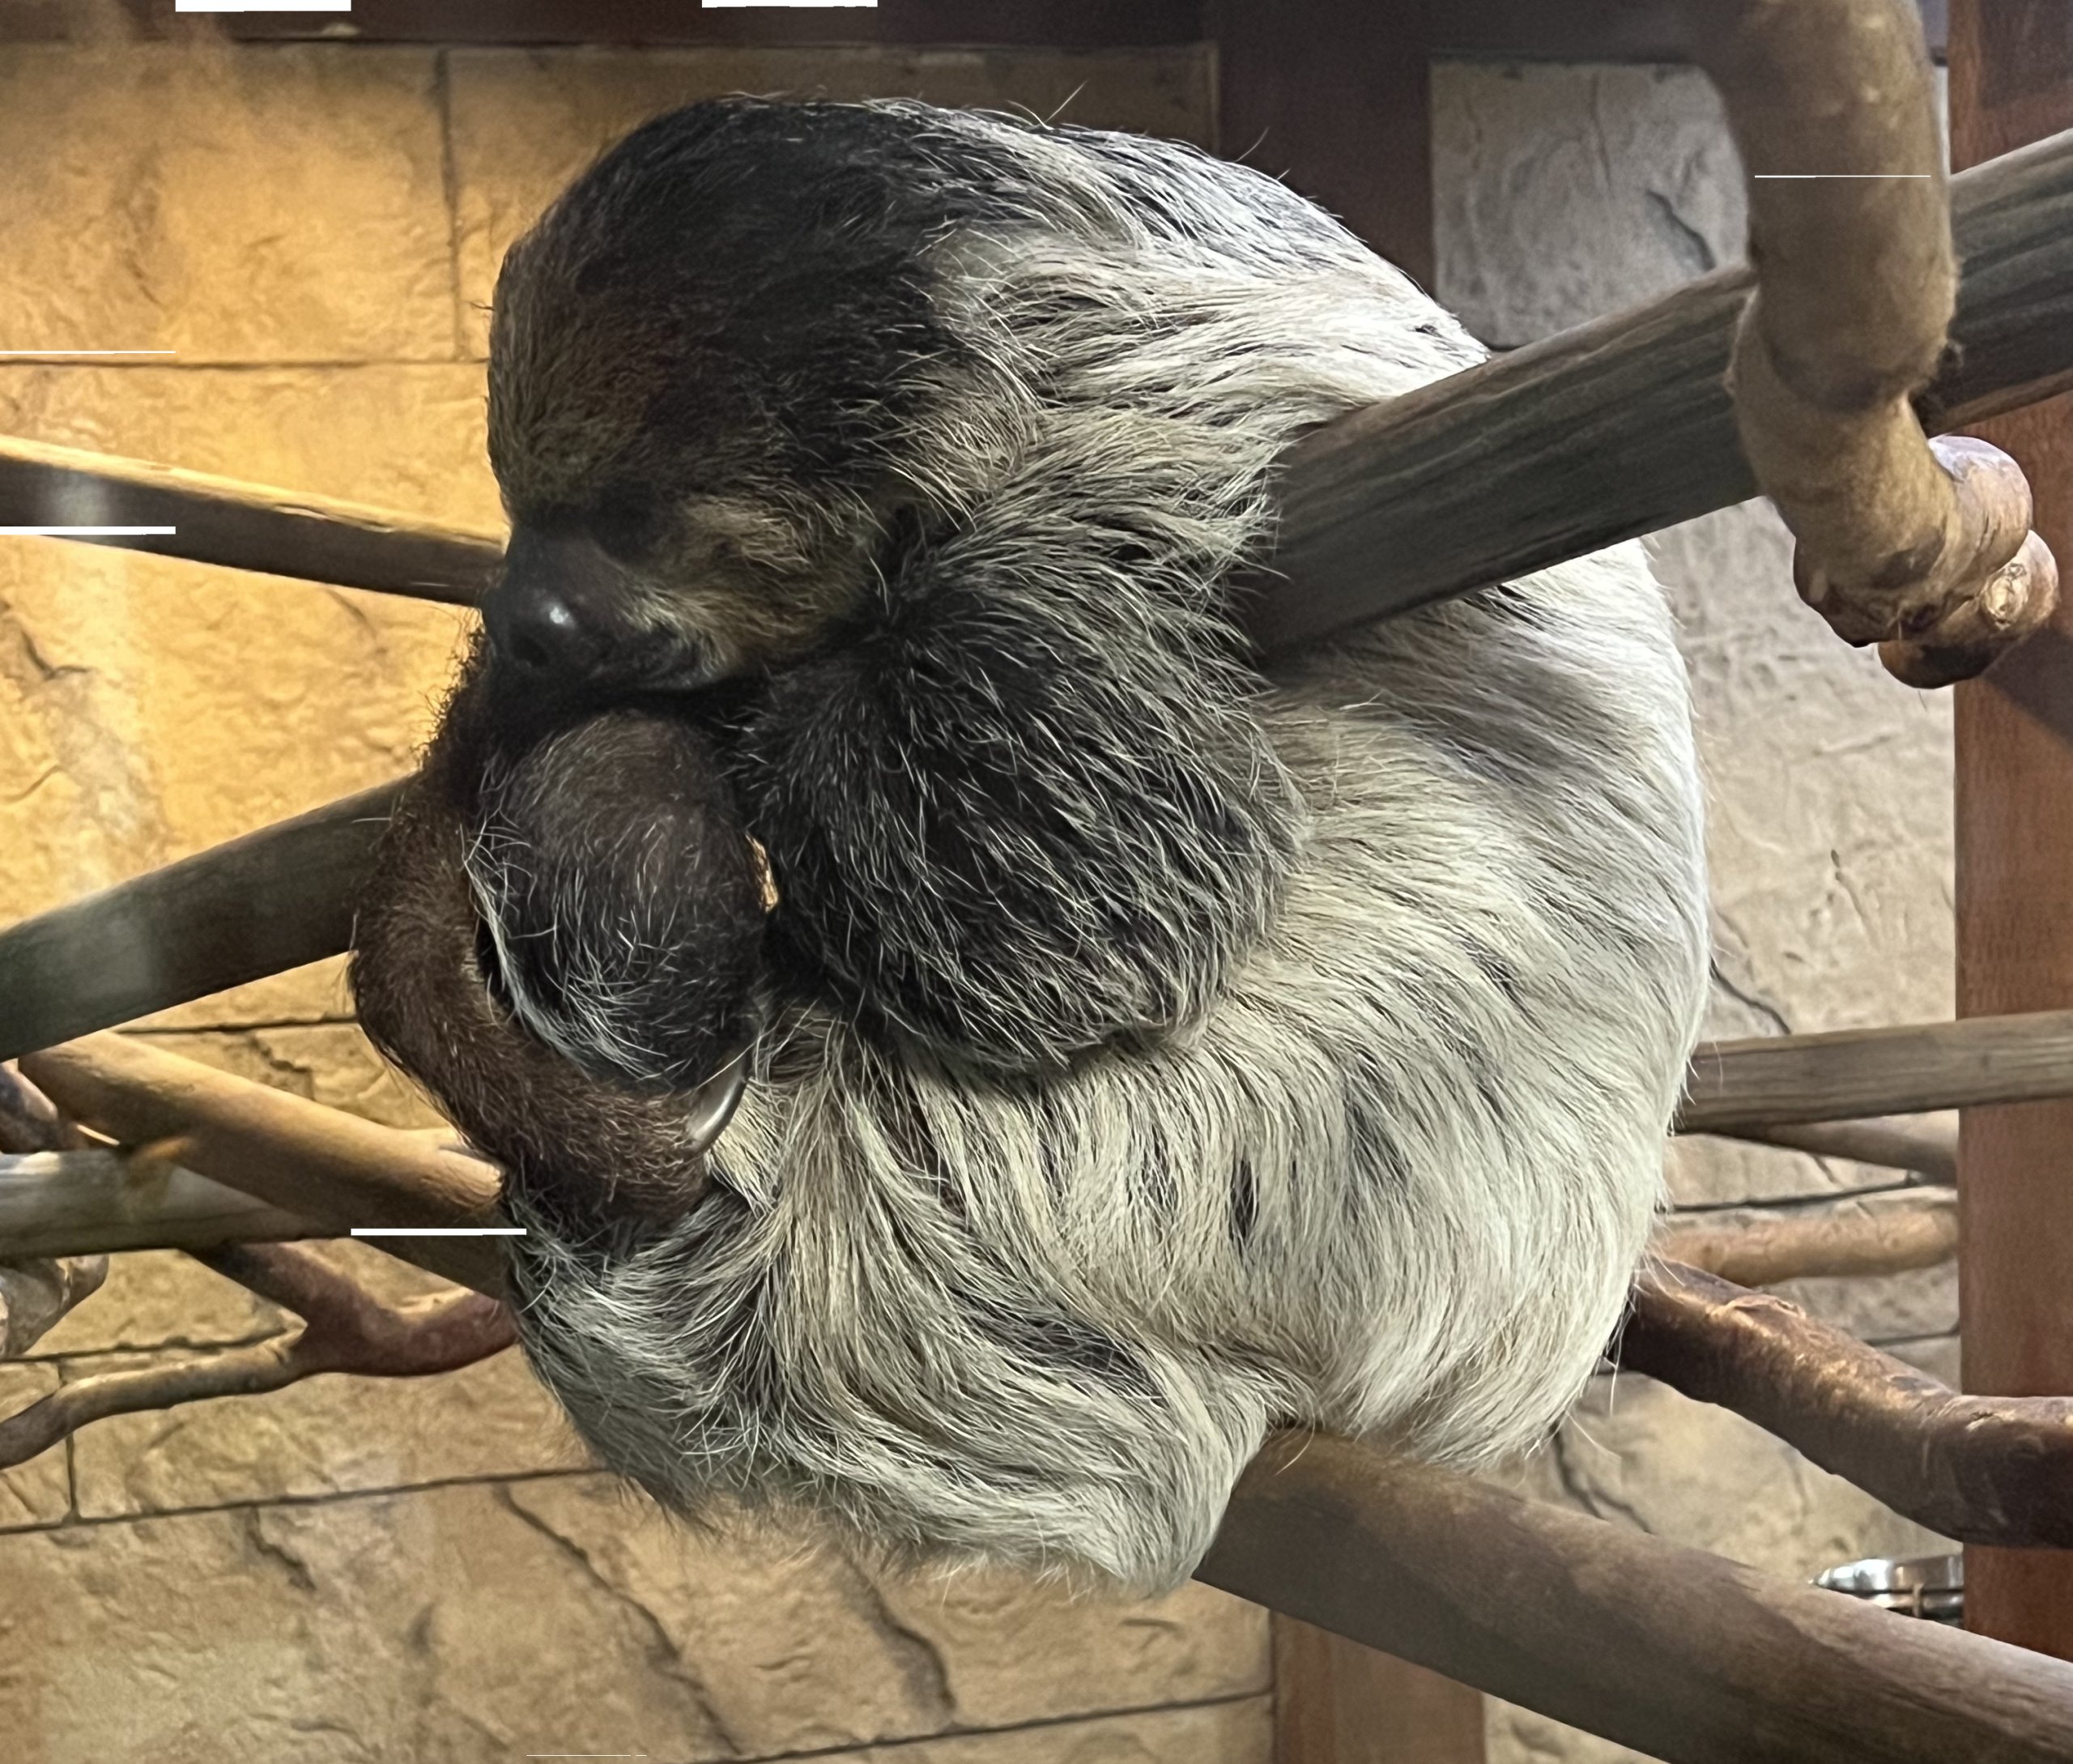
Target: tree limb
(345,1330)
(1924,548)
(1758,1084)
(1928,1148)
(92,1203)
(1891,1235)
(1982,1469)
(1678,1654)
(334,1168)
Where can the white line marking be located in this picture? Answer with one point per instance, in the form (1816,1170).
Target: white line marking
(1837,174)
(89,351)
(91,532)
(453,1231)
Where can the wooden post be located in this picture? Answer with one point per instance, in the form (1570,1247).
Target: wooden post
(1331,96)
(2011,82)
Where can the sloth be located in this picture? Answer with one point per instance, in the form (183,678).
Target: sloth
(1150,1046)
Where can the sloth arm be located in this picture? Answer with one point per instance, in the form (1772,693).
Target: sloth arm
(1018,820)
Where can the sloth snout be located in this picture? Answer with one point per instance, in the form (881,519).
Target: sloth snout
(560,611)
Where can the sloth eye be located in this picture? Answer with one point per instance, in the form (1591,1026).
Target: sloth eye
(627,525)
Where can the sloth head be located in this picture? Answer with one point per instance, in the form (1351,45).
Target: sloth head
(702,360)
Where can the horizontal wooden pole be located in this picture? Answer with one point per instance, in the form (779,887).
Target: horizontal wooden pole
(243,526)
(1624,426)
(1890,1234)
(334,1168)
(1684,1655)
(1848,1073)
(93,1203)
(260,905)
(1927,1148)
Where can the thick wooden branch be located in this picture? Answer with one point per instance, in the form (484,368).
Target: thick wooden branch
(345,1330)
(1836,1076)
(1924,548)
(333,1168)
(1982,1469)
(99,1202)
(243,526)
(1681,1655)
(259,906)
(1892,1234)
(1929,1149)
(1624,426)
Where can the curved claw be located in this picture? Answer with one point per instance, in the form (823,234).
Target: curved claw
(714,1103)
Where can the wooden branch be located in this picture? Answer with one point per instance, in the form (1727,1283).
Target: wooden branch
(1732,1086)
(1893,1234)
(244,525)
(1624,426)
(259,906)
(1929,1149)
(1982,1469)
(1683,1656)
(346,1330)
(1925,549)
(335,1168)
(60,1204)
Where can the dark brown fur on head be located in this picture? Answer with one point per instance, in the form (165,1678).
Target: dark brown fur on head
(426,978)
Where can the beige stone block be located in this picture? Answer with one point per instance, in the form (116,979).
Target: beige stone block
(1240,1732)
(151,707)
(403,435)
(282,204)
(1013,1654)
(526,123)
(38,1492)
(158,1298)
(814,1653)
(456,1624)
(333,1063)
(437,1626)
(327,1435)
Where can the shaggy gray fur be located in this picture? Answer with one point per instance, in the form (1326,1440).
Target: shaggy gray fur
(1394,1177)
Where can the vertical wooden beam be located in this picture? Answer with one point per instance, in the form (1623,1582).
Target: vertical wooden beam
(1338,1702)
(1331,96)
(2012,81)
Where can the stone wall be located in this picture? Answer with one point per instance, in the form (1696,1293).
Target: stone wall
(420,1570)
(1564,193)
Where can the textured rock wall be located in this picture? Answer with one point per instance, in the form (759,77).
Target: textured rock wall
(1563,193)
(418,1570)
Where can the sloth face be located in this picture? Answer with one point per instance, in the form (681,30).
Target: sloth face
(702,359)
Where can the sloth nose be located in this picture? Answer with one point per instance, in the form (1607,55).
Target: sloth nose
(552,612)
(537,630)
